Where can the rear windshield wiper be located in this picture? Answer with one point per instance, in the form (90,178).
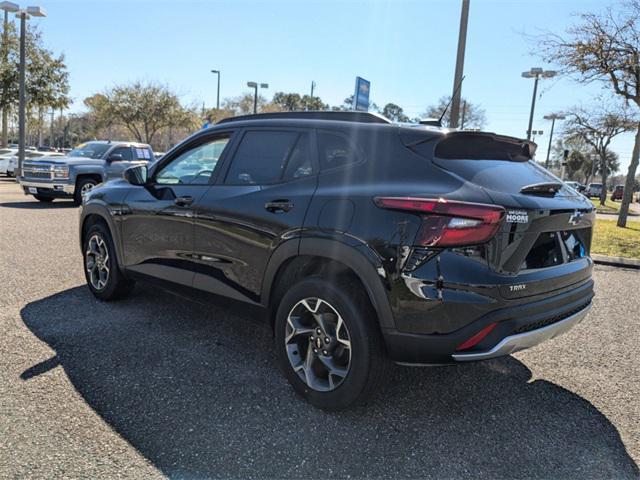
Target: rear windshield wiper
(543,189)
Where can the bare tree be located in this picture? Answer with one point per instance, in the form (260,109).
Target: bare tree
(597,128)
(606,48)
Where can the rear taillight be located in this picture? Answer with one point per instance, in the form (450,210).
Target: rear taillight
(448,223)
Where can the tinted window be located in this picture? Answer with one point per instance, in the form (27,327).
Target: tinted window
(261,157)
(194,166)
(142,153)
(124,151)
(335,151)
(299,164)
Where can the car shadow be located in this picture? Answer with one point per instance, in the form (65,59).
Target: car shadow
(36,205)
(194,388)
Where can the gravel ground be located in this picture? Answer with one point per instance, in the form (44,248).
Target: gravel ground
(158,386)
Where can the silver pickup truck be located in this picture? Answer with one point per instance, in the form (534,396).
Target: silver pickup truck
(86,166)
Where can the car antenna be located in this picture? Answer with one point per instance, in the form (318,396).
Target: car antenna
(451,100)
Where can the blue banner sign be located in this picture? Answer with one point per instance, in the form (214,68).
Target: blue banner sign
(361,95)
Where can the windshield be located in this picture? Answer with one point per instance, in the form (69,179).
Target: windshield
(90,150)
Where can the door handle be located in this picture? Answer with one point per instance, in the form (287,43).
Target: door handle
(183,201)
(278,206)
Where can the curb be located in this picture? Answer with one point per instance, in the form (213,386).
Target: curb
(616,261)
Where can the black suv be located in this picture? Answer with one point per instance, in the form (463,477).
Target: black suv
(364,240)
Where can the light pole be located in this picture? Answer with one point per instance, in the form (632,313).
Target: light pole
(254,85)
(553,117)
(536,73)
(7,7)
(217,72)
(23,15)
(457,79)
(313,87)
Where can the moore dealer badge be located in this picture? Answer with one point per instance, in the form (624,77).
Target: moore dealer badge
(517,216)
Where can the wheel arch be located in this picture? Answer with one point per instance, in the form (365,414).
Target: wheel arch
(295,260)
(94,176)
(93,214)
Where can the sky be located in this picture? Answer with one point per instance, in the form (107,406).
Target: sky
(406,49)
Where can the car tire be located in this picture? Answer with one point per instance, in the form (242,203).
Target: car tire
(360,370)
(83,185)
(43,199)
(102,273)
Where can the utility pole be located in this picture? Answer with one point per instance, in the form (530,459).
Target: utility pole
(536,73)
(254,85)
(22,137)
(457,88)
(7,7)
(217,72)
(464,113)
(553,117)
(22,97)
(313,86)
(51,140)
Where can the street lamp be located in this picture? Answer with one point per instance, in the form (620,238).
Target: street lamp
(23,15)
(8,7)
(217,72)
(254,85)
(536,73)
(553,117)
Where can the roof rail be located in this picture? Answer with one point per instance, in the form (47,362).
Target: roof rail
(343,116)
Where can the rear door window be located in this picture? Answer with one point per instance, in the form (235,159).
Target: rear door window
(263,157)
(142,153)
(335,151)
(124,151)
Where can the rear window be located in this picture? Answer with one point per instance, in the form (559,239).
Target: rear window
(142,153)
(334,151)
(261,157)
(483,146)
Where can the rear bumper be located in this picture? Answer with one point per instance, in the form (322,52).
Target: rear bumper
(51,189)
(521,341)
(517,327)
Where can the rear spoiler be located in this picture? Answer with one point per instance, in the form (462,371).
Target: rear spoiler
(479,146)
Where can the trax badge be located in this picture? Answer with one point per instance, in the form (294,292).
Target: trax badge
(517,288)
(517,216)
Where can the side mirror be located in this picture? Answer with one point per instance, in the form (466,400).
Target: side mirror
(136,175)
(114,157)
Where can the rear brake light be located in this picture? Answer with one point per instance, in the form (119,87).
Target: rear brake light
(449,223)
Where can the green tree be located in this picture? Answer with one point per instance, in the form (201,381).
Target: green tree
(472,116)
(144,109)
(47,79)
(394,113)
(604,48)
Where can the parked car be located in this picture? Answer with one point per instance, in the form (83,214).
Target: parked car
(363,240)
(31,155)
(617,193)
(86,166)
(577,186)
(594,190)
(5,157)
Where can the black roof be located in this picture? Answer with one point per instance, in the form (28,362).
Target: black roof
(343,116)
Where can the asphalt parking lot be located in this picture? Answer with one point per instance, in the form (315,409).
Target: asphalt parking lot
(157,385)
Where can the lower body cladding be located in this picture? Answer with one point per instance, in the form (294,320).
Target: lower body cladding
(45,189)
(461,326)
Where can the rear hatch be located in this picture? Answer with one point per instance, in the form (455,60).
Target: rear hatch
(545,238)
